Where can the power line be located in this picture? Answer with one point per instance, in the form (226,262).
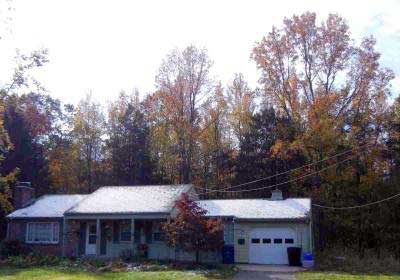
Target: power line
(282,173)
(357,206)
(282,183)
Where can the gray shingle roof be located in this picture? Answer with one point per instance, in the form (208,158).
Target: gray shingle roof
(291,208)
(48,206)
(130,199)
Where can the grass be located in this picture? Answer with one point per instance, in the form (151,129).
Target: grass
(317,275)
(53,273)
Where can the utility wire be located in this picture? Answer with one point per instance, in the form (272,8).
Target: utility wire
(282,183)
(282,173)
(357,206)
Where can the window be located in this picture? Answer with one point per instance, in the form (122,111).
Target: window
(159,236)
(42,233)
(228,234)
(289,240)
(266,240)
(278,240)
(255,240)
(125,230)
(241,241)
(138,234)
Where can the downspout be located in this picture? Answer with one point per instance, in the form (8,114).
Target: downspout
(8,230)
(311,232)
(234,240)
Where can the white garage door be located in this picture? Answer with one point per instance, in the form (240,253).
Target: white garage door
(268,245)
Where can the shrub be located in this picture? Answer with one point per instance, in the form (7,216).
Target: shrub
(17,261)
(127,255)
(34,259)
(93,264)
(13,248)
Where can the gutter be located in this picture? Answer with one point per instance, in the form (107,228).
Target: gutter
(271,220)
(114,213)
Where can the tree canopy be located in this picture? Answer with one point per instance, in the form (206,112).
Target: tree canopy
(321,94)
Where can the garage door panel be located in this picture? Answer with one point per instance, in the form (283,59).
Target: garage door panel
(269,245)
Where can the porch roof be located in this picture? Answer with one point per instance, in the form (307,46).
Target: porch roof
(130,200)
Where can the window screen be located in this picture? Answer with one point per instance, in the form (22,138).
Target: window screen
(255,240)
(289,240)
(125,229)
(159,236)
(241,241)
(266,240)
(278,240)
(228,234)
(43,233)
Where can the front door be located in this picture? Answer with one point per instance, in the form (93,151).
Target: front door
(91,236)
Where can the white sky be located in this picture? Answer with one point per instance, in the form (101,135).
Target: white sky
(106,46)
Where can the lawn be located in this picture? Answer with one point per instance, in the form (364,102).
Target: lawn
(317,275)
(44,273)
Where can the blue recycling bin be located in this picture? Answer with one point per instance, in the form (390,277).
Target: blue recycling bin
(308,257)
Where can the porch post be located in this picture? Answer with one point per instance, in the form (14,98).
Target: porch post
(133,234)
(98,237)
(64,236)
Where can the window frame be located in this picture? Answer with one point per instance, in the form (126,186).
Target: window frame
(55,228)
(287,239)
(255,240)
(276,239)
(157,231)
(121,224)
(266,241)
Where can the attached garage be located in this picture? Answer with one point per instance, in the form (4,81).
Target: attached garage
(261,230)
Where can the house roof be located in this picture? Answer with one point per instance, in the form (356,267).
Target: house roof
(48,206)
(287,209)
(130,200)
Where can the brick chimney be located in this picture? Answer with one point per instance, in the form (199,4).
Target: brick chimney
(276,195)
(23,193)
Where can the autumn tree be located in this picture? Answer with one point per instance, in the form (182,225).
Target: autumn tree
(128,142)
(335,93)
(183,84)
(88,130)
(6,179)
(312,71)
(9,170)
(216,151)
(333,90)
(191,231)
(241,102)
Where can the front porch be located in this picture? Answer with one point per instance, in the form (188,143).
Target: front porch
(113,237)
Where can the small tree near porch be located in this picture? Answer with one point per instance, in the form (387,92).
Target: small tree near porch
(191,230)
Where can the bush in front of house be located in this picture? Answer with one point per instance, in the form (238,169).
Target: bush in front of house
(13,248)
(128,255)
(33,259)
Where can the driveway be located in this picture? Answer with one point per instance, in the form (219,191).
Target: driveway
(266,272)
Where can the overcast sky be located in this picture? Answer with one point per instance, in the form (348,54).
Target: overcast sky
(106,46)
